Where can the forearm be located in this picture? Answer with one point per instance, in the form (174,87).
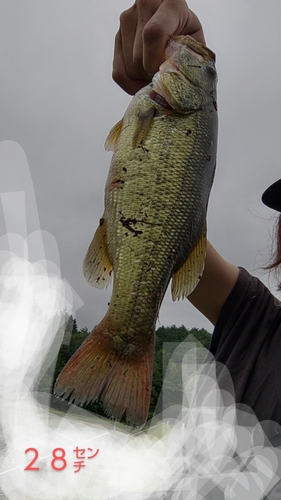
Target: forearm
(215,285)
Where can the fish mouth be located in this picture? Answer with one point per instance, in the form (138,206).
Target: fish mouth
(200,50)
(159,99)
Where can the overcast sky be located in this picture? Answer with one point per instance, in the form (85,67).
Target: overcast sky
(58,102)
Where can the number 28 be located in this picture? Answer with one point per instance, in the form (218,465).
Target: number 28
(53,462)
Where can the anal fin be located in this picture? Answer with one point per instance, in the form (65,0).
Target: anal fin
(188,276)
(97,267)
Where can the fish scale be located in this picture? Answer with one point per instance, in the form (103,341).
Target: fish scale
(155,180)
(153,228)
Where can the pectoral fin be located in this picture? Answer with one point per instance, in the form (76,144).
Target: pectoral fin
(113,136)
(97,267)
(187,277)
(143,126)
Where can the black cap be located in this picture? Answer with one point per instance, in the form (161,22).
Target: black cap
(272,196)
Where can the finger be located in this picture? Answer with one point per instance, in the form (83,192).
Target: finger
(179,12)
(145,9)
(128,26)
(193,28)
(124,73)
(119,73)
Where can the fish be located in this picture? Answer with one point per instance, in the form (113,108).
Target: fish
(152,231)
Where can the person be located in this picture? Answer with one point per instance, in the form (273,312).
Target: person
(247,317)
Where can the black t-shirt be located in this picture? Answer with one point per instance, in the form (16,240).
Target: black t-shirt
(247,340)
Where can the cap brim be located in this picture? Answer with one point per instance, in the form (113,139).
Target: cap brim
(272,196)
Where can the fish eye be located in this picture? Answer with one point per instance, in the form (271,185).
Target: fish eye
(211,70)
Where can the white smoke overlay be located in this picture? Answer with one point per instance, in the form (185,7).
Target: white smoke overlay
(202,447)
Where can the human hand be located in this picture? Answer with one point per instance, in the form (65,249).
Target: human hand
(142,37)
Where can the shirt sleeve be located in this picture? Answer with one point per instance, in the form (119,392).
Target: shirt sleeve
(247,341)
(249,313)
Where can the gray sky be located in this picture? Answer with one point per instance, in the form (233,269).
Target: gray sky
(58,102)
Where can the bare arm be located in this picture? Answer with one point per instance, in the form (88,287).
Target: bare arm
(215,285)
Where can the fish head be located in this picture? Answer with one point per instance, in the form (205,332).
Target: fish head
(187,79)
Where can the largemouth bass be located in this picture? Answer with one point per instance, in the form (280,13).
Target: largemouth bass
(153,228)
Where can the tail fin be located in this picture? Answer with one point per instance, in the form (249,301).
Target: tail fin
(121,382)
